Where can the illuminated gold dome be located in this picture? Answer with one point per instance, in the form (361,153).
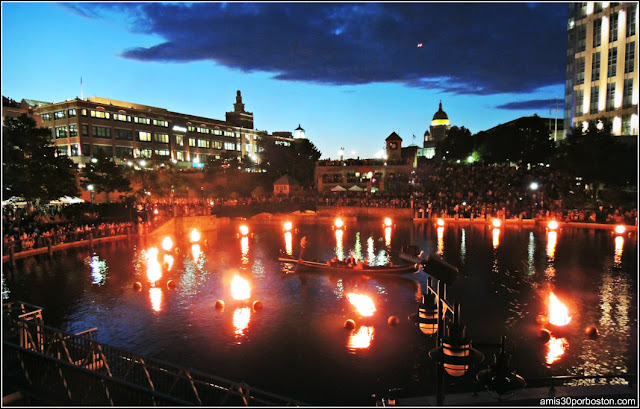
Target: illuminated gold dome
(440,117)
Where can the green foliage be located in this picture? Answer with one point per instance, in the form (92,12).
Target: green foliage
(597,156)
(297,160)
(458,144)
(30,167)
(106,176)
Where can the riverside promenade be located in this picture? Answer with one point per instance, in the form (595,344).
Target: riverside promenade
(322,214)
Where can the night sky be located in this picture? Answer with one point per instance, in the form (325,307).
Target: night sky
(348,73)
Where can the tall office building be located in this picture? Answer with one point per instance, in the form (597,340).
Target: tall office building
(602,72)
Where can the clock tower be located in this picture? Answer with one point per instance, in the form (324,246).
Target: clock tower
(394,146)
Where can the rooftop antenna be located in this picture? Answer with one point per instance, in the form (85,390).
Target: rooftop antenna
(81,91)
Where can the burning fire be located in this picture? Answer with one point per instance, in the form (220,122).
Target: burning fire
(558,312)
(363,303)
(167,243)
(440,222)
(240,289)
(288,226)
(361,339)
(339,223)
(496,222)
(244,230)
(195,236)
(387,222)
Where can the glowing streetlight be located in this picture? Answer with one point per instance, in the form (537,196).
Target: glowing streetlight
(533,186)
(90,189)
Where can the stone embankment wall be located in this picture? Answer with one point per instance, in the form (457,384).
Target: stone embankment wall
(184,225)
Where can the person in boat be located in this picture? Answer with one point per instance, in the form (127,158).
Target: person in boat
(351,261)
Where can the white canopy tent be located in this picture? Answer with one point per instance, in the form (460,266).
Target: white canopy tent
(338,188)
(356,188)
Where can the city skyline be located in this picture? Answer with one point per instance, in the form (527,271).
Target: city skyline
(295,62)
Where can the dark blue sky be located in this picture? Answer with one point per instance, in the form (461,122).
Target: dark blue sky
(349,73)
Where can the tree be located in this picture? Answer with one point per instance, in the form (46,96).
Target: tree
(595,154)
(106,176)
(297,160)
(31,167)
(457,145)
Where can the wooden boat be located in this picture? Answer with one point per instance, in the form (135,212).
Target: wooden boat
(317,266)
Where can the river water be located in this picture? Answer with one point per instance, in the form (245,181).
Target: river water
(297,345)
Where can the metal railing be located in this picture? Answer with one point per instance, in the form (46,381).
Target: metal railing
(76,369)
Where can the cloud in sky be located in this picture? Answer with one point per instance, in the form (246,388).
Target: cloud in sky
(465,49)
(532,104)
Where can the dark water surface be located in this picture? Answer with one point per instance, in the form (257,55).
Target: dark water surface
(297,346)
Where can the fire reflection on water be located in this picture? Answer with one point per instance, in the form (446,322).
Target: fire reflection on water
(288,242)
(617,255)
(361,339)
(195,251)
(556,347)
(496,238)
(387,236)
(155,294)
(244,246)
(241,318)
(339,244)
(440,248)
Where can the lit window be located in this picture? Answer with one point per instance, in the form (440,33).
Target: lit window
(100,114)
(61,132)
(203,143)
(144,136)
(161,138)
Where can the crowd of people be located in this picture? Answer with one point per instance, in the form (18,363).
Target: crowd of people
(451,190)
(508,192)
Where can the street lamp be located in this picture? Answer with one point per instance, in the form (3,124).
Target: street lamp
(499,379)
(90,189)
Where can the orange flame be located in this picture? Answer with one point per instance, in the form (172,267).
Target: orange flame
(339,223)
(558,312)
(195,235)
(244,230)
(240,289)
(440,222)
(363,303)
(167,243)
(288,226)
(387,221)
